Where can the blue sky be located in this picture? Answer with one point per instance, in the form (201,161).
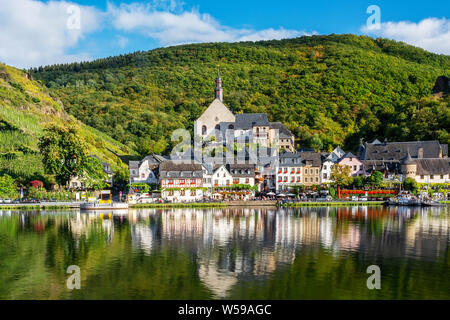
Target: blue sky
(48,32)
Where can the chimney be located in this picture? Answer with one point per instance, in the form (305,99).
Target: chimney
(420,153)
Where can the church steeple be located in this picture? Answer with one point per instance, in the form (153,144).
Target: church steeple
(218,91)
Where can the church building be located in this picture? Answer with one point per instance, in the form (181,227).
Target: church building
(218,122)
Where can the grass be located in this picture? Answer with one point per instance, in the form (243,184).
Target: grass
(178,205)
(33,207)
(332,204)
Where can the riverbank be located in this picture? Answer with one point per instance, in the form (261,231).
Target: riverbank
(40,206)
(332,204)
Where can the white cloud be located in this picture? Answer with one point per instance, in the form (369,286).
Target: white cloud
(170,28)
(431,34)
(34,33)
(122,41)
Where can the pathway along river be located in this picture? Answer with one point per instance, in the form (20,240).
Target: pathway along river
(303,253)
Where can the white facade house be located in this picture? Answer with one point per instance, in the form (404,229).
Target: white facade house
(328,163)
(144,171)
(221,177)
(181,182)
(289,171)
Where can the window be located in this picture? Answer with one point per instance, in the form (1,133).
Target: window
(231,127)
(218,127)
(324,167)
(170,181)
(354,168)
(228,182)
(422,177)
(134,172)
(193,181)
(182,181)
(442,176)
(317,179)
(317,171)
(361,167)
(170,193)
(432,177)
(204,130)
(216,182)
(325,176)
(306,179)
(182,193)
(312,171)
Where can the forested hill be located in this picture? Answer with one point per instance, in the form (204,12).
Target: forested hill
(26,107)
(329,90)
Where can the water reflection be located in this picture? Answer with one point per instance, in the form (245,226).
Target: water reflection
(228,250)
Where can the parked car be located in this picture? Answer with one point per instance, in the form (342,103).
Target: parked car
(16,201)
(1,200)
(7,201)
(33,200)
(363,199)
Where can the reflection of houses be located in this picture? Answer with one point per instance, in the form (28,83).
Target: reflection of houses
(428,236)
(83,225)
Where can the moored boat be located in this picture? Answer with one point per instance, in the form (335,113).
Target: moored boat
(104,206)
(104,203)
(404,198)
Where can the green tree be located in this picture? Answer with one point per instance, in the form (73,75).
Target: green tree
(316,143)
(341,176)
(94,175)
(411,184)
(64,152)
(7,187)
(358,181)
(376,179)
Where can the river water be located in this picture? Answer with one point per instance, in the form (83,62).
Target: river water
(303,253)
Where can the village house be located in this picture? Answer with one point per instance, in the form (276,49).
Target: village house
(79,183)
(181,181)
(243,174)
(328,161)
(430,160)
(312,166)
(289,171)
(221,177)
(146,170)
(352,161)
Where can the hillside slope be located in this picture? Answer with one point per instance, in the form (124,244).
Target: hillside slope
(337,88)
(25,108)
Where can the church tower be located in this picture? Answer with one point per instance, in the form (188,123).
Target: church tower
(218,91)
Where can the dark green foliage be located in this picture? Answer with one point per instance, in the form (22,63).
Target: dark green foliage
(411,184)
(64,153)
(329,90)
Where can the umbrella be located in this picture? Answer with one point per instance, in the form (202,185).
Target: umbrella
(271,194)
(281,195)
